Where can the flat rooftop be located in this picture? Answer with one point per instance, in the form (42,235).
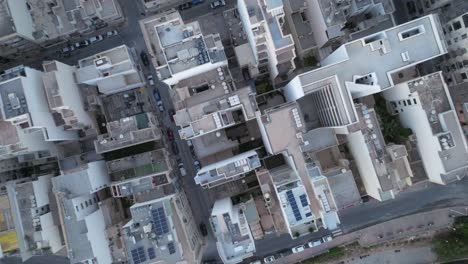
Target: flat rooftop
(152,222)
(13,98)
(127,132)
(234,238)
(228,168)
(125,104)
(384,53)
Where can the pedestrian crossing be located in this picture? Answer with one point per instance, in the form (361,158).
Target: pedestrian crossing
(337,232)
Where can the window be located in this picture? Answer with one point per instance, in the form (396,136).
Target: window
(464,36)
(414,100)
(86,203)
(450,28)
(464,76)
(82,207)
(457,25)
(412,32)
(76,207)
(455,40)
(449,42)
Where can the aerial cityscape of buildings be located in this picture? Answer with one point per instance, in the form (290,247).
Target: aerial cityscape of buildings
(248,131)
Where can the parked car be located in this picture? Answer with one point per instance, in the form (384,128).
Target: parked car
(256,262)
(157,96)
(196,2)
(182,170)
(175,148)
(112,33)
(171,114)
(150,79)
(269,259)
(197,165)
(314,243)
(327,238)
(160,106)
(81,44)
(298,249)
(217,3)
(170,134)
(68,49)
(203,229)
(144,58)
(185,6)
(95,39)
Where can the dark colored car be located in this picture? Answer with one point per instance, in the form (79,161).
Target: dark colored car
(175,148)
(144,58)
(170,134)
(203,229)
(81,44)
(196,2)
(185,6)
(171,113)
(157,96)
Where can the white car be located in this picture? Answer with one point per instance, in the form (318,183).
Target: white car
(182,170)
(314,243)
(68,49)
(217,3)
(269,259)
(160,106)
(298,249)
(197,165)
(112,33)
(327,238)
(256,262)
(150,79)
(95,39)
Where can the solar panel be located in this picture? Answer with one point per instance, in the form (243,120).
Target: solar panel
(309,214)
(159,221)
(138,255)
(151,253)
(303,200)
(292,202)
(171,248)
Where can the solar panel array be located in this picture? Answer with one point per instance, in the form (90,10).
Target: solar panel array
(309,214)
(138,255)
(159,221)
(171,247)
(292,202)
(151,253)
(303,200)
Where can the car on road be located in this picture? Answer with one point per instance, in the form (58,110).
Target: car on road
(144,58)
(156,95)
(184,6)
(314,243)
(203,229)
(112,33)
(160,106)
(170,134)
(298,249)
(150,79)
(197,165)
(171,114)
(327,238)
(256,262)
(182,170)
(96,39)
(175,148)
(269,259)
(68,49)
(196,2)
(81,44)
(217,3)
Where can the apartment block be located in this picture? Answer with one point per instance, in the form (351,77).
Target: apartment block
(112,71)
(84,215)
(64,96)
(128,131)
(139,173)
(334,22)
(180,51)
(35,223)
(229,222)
(271,43)
(162,230)
(455,66)
(424,105)
(28,24)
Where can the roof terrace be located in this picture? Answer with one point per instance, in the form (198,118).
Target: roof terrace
(228,169)
(127,132)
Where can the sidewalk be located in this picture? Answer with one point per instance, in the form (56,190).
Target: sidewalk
(426,223)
